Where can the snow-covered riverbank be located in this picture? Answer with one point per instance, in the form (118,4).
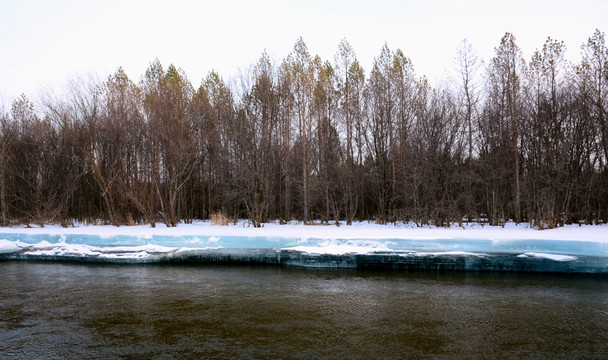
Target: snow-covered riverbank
(205,241)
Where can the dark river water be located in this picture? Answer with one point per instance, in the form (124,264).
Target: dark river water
(73,311)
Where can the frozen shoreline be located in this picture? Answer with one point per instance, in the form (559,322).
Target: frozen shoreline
(473,247)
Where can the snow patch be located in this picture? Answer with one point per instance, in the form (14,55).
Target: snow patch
(7,247)
(44,248)
(335,247)
(554,257)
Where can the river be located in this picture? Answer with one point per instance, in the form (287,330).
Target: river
(74,311)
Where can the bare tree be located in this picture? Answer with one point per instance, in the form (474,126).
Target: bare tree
(328,151)
(380,117)
(286,104)
(547,177)
(301,71)
(403,81)
(506,70)
(595,57)
(7,133)
(167,97)
(468,68)
(257,141)
(347,83)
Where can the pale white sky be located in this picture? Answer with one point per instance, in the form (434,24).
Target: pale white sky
(43,42)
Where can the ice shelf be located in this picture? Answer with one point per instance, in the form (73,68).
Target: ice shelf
(363,247)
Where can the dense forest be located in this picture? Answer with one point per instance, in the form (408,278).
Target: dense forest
(308,139)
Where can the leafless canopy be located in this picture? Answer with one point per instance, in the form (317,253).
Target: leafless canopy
(314,140)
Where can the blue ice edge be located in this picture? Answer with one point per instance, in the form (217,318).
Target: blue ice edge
(453,254)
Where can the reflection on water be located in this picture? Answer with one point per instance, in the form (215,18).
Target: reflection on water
(92,311)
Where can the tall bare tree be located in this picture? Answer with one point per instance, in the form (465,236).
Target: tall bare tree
(7,133)
(350,84)
(167,97)
(595,58)
(301,70)
(468,69)
(506,71)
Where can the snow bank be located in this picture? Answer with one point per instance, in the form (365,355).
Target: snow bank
(361,230)
(565,244)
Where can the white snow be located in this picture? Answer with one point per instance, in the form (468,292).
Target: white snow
(554,257)
(361,230)
(7,247)
(106,252)
(334,247)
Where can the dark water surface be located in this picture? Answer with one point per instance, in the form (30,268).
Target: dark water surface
(53,310)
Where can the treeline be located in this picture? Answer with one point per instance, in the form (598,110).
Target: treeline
(311,139)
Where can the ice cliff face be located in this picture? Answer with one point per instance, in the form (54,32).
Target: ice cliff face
(387,254)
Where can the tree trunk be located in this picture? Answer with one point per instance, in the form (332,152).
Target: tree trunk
(3,192)
(304,174)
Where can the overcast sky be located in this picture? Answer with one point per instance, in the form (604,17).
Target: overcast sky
(44,43)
